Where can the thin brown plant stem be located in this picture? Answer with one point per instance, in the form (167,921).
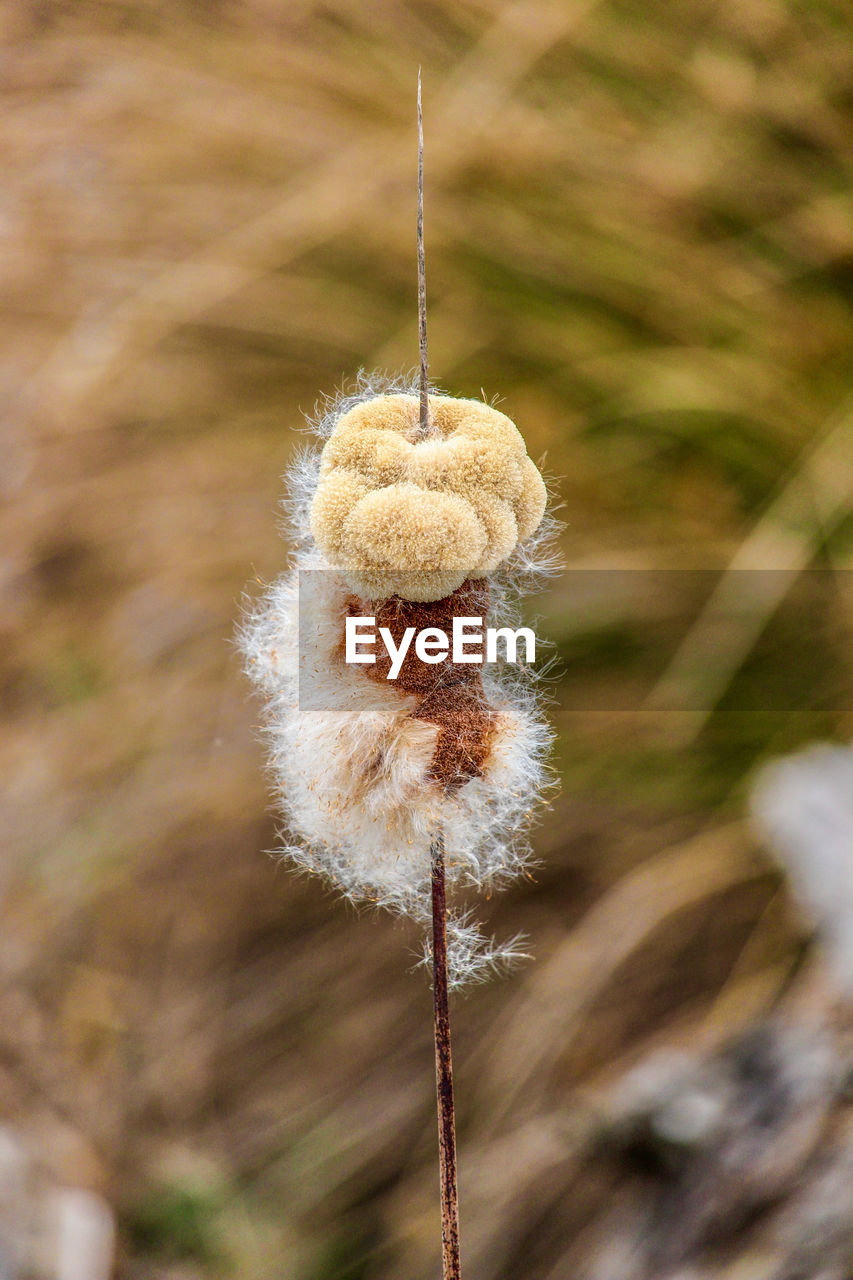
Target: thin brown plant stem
(422,323)
(444,1070)
(451,1269)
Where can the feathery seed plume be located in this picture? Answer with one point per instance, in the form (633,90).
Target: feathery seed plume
(405,775)
(413,532)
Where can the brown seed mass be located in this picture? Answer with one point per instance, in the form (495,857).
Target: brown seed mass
(451,693)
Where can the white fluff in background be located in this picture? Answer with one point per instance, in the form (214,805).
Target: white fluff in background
(349,763)
(803,806)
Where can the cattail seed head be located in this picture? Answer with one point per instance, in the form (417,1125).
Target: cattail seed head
(450,506)
(414,531)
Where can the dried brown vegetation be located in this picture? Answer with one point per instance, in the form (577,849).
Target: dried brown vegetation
(640,235)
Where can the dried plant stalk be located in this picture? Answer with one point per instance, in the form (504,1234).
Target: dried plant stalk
(441,1004)
(402,786)
(422,321)
(444,1070)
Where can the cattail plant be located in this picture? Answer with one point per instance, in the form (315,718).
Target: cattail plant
(409,776)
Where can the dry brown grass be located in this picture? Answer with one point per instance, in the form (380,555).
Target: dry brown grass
(639,235)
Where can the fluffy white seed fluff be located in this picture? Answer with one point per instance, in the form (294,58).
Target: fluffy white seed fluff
(350,764)
(803,807)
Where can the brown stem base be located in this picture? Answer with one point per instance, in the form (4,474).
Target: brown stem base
(444,1071)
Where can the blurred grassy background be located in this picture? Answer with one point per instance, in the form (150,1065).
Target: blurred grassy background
(639,235)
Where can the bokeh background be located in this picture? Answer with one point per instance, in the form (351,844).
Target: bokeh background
(639,237)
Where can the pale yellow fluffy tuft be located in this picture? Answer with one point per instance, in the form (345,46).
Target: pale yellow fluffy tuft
(398,512)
